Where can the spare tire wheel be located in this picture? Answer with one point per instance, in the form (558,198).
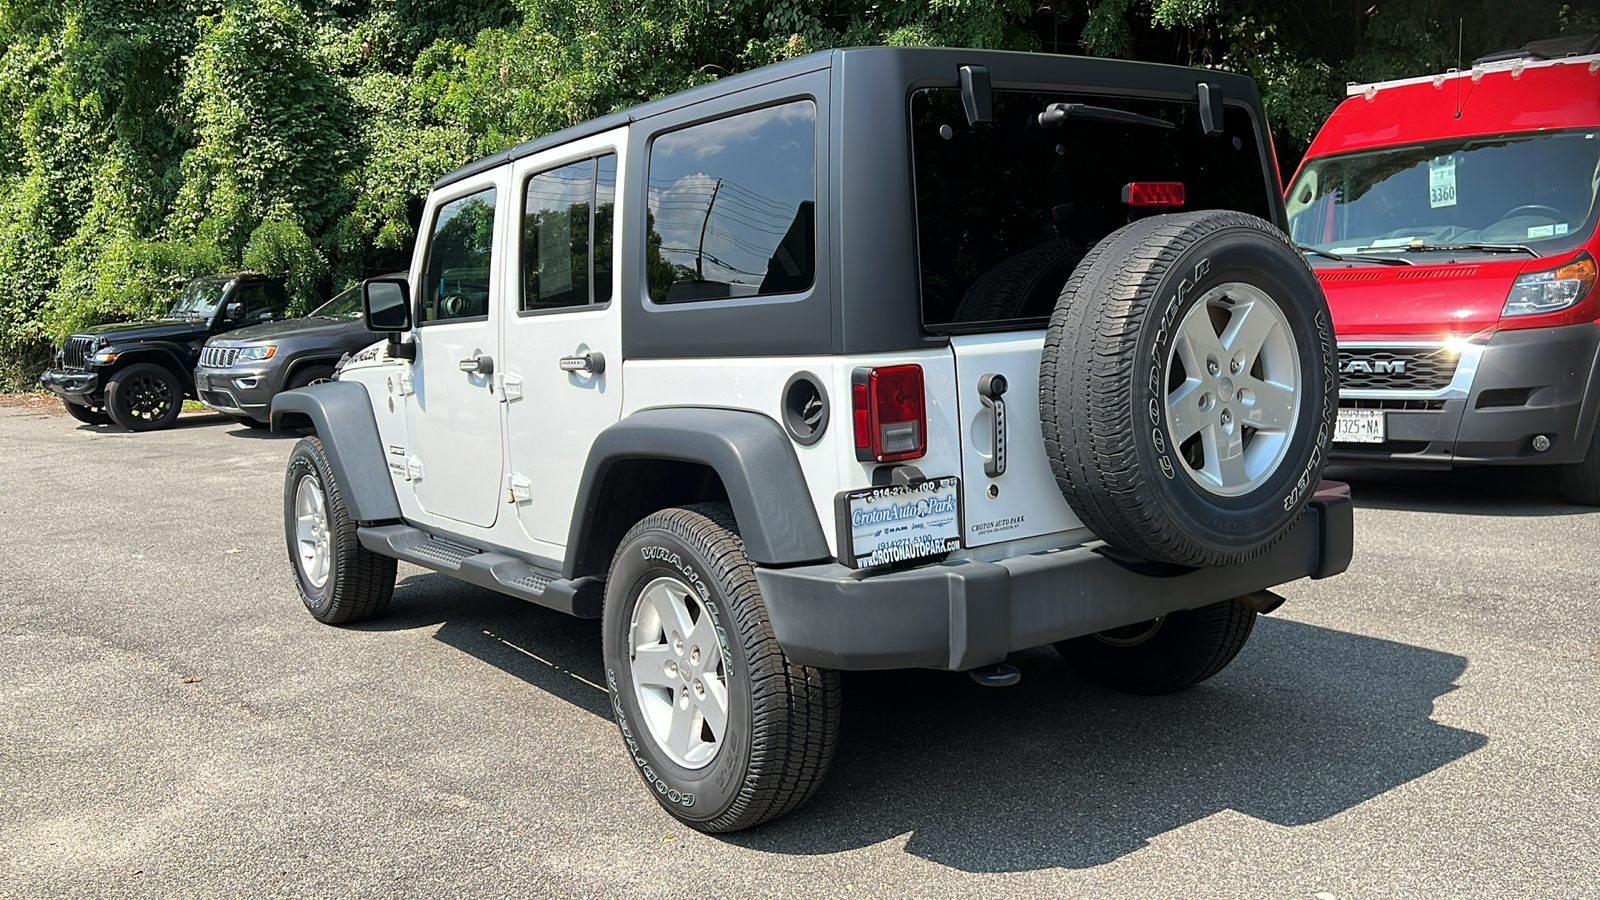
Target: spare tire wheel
(1021,286)
(1187,389)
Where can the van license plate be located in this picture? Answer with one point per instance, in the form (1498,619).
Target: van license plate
(890,524)
(1359,426)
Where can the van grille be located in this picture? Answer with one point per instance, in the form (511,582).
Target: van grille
(1421,369)
(218,357)
(75,352)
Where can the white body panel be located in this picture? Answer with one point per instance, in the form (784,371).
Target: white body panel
(830,465)
(454,416)
(558,415)
(1026,502)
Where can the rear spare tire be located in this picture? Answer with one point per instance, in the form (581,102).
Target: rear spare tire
(1187,389)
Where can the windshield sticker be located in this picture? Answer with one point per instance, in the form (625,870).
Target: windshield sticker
(1442,181)
(1393,242)
(1544,231)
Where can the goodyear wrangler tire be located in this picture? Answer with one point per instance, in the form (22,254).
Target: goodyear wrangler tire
(1187,388)
(724,730)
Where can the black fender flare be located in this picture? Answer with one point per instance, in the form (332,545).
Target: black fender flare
(749,451)
(341,414)
(165,354)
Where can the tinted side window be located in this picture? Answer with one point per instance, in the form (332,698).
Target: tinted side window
(455,279)
(732,210)
(567,211)
(263,301)
(1004,213)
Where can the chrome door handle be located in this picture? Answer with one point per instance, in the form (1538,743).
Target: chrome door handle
(593,363)
(480,365)
(991,388)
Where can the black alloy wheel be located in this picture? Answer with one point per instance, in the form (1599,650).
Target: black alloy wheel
(144,397)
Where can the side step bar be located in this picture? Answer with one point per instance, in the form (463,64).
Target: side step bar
(579,597)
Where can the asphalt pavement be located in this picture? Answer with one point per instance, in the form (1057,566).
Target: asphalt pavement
(173,723)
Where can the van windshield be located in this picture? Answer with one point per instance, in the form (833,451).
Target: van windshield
(1005,212)
(1521,190)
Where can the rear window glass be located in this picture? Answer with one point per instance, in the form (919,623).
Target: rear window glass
(732,209)
(1005,212)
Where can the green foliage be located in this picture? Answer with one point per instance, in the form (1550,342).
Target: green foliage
(280,247)
(143,142)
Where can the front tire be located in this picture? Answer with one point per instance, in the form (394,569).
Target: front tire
(724,730)
(95,415)
(144,397)
(1165,655)
(339,580)
(1580,481)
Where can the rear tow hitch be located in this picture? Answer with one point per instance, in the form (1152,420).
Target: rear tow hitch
(997,675)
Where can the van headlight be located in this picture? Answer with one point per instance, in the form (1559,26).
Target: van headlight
(1548,290)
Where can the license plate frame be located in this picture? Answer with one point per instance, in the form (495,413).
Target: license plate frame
(1360,426)
(899,523)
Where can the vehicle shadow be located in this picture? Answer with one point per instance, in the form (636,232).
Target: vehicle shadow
(1479,491)
(1307,723)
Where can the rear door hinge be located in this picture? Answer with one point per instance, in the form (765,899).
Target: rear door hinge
(518,489)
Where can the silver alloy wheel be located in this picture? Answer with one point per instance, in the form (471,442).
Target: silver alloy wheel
(315,556)
(1234,389)
(679,677)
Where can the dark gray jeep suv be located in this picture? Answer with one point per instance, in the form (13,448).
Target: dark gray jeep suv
(240,372)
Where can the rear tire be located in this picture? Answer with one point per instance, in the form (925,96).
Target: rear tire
(144,397)
(339,580)
(1187,388)
(724,730)
(1164,655)
(95,415)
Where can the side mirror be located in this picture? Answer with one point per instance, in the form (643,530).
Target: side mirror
(233,312)
(386,308)
(386,304)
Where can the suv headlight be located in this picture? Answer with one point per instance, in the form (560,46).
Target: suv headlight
(1548,290)
(255,354)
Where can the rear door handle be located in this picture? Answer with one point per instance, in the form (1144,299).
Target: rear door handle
(481,364)
(593,363)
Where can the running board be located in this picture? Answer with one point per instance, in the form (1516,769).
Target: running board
(579,597)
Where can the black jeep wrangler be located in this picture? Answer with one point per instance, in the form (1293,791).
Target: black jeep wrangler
(137,374)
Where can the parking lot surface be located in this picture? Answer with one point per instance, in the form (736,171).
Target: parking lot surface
(173,724)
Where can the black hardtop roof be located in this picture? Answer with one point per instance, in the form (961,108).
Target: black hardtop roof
(800,65)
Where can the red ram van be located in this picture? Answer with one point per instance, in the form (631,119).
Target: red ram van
(1451,221)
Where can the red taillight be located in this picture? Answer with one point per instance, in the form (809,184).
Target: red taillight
(1153,193)
(890,414)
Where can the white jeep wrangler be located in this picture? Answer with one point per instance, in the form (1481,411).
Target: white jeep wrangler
(875,358)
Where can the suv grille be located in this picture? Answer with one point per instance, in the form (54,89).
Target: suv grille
(218,357)
(1421,369)
(75,352)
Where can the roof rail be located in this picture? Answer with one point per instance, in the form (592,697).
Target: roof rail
(1496,62)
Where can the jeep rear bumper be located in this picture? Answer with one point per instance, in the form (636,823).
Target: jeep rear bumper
(963,614)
